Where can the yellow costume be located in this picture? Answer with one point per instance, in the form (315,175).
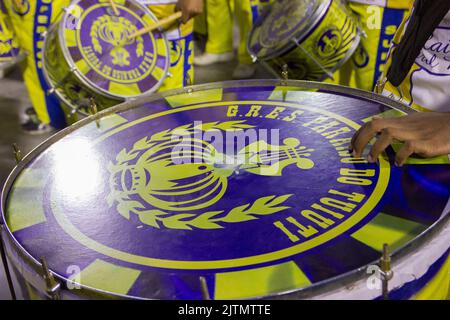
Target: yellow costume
(31,18)
(380,20)
(8,42)
(425,88)
(181,45)
(219,25)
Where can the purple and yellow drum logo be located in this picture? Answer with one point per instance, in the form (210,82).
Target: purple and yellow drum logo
(107,53)
(153,180)
(329,43)
(233,184)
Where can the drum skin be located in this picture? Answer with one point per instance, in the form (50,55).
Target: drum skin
(148,199)
(90,54)
(310,54)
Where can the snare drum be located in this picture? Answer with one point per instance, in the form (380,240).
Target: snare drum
(227,191)
(307,39)
(91,55)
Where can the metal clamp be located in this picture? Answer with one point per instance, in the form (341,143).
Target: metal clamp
(94,110)
(386,272)
(379,87)
(17,153)
(52,286)
(205,291)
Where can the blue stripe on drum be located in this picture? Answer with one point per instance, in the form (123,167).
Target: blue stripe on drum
(336,258)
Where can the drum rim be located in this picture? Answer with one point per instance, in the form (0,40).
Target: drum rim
(297,39)
(309,291)
(51,83)
(62,43)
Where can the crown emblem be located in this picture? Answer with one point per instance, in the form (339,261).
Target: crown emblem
(116,31)
(171,178)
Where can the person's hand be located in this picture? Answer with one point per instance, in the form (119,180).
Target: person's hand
(424,134)
(190,9)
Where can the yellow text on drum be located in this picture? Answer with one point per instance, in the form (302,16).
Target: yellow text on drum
(325,126)
(332,208)
(133,74)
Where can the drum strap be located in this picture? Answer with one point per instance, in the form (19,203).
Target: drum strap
(426,17)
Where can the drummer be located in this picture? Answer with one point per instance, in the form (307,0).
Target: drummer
(32,18)
(379,21)
(8,42)
(418,74)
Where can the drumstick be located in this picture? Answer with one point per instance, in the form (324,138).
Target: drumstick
(156,25)
(113,5)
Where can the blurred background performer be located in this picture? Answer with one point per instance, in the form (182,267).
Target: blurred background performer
(180,36)
(30,18)
(380,20)
(9,47)
(219,27)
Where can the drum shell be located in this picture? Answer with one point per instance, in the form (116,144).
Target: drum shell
(28,278)
(67,84)
(304,60)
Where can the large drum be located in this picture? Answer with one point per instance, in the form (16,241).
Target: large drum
(227,191)
(92,55)
(306,39)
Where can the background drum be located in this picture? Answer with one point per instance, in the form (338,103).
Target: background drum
(91,55)
(233,190)
(311,39)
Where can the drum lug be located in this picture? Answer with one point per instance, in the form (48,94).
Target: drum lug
(94,110)
(254,59)
(17,153)
(205,291)
(284,74)
(386,272)
(52,286)
(169,75)
(379,87)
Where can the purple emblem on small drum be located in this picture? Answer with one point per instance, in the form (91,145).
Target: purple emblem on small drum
(112,57)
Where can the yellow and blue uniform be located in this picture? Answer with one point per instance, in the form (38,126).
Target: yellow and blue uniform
(30,19)
(181,45)
(425,88)
(8,42)
(379,20)
(219,25)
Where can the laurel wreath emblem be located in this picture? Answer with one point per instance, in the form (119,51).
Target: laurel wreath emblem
(157,218)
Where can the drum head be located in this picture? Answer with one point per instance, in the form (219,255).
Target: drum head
(98,44)
(249,185)
(282,24)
